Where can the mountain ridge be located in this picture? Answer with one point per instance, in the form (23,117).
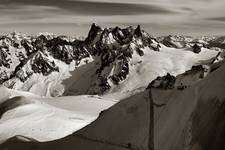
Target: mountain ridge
(111,50)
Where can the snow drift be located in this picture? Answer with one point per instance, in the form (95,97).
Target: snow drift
(46,119)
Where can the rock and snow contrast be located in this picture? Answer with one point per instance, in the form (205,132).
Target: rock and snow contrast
(119,88)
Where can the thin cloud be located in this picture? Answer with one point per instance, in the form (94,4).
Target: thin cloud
(221,19)
(94,8)
(193,16)
(13,13)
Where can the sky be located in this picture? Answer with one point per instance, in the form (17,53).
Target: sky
(74,17)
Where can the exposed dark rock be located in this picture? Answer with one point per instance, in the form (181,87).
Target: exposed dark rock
(165,82)
(196,48)
(3,58)
(42,65)
(137,31)
(123,71)
(92,33)
(103,84)
(27,45)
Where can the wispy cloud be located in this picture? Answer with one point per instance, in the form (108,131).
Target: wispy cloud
(220,19)
(93,7)
(167,16)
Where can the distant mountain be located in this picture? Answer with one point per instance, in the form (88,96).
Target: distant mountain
(23,56)
(181,41)
(218,42)
(176,41)
(106,61)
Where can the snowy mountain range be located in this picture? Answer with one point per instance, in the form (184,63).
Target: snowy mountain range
(133,90)
(41,64)
(109,50)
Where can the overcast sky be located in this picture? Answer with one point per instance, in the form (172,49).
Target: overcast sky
(74,17)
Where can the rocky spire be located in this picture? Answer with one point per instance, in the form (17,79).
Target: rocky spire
(137,31)
(93,32)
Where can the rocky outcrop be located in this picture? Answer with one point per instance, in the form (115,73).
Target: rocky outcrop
(12,53)
(41,64)
(165,82)
(196,48)
(3,58)
(67,51)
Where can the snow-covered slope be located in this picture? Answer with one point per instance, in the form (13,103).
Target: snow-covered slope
(45,119)
(192,119)
(169,60)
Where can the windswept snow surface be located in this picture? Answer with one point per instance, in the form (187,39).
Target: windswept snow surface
(46,119)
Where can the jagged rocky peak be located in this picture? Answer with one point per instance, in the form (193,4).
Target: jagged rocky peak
(67,49)
(38,63)
(21,55)
(138,31)
(112,48)
(99,39)
(42,64)
(116,43)
(95,29)
(12,53)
